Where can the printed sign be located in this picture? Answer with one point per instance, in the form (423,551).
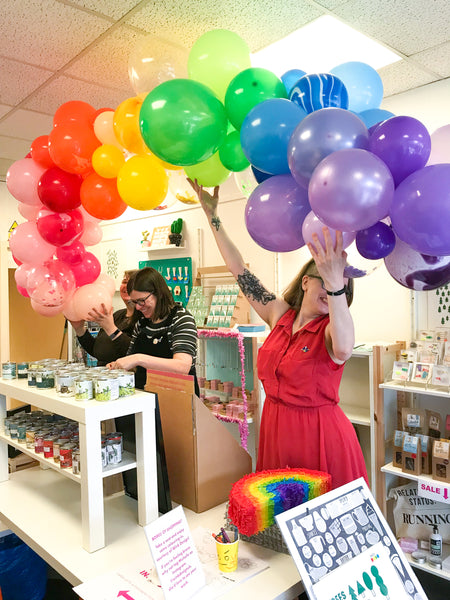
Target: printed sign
(434,490)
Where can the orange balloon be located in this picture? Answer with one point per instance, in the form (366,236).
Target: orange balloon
(39,152)
(100,197)
(71,146)
(74,111)
(126,126)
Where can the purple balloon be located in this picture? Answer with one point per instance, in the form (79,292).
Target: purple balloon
(420,211)
(275,212)
(375,242)
(351,190)
(403,143)
(319,134)
(417,271)
(312,224)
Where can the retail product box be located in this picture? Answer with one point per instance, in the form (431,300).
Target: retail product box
(398,448)
(425,443)
(203,458)
(441,460)
(411,457)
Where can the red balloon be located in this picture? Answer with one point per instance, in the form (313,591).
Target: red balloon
(74,111)
(72,253)
(71,146)
(100,197)
(87,270)
(60,228)
(59,190)
(39,152)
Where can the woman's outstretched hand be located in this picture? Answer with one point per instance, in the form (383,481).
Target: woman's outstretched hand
(330,260)
(209,203)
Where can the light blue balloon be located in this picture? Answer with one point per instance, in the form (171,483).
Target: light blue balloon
(373,116)
(291,77)
(364,85)
(319,90)
(266,131)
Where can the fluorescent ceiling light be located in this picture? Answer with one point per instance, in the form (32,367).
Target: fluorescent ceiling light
(321,45)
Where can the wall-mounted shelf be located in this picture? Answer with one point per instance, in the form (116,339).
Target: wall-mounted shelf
(168,247)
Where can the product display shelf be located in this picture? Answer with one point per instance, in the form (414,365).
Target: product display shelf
(168,247)
(89,415)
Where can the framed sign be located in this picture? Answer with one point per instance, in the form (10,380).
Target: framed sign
(345,550)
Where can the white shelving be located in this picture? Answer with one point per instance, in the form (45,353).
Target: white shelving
(89,416)
(168,247)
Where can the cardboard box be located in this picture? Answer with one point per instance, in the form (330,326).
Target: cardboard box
(425,443)
(203,458)
(411,457)
(441,460)
(398,448)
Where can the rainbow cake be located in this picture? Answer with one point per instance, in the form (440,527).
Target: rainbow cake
(256,498)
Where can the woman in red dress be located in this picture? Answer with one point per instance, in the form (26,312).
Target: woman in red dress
(301,362)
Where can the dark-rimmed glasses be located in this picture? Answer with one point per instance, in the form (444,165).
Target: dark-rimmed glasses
(346,288)
(141,301)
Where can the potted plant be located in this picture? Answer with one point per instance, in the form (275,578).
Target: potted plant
(175,232)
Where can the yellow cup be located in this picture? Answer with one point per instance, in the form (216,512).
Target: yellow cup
(227,553)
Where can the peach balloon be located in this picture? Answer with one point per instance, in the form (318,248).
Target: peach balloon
(104,128)
(107,282)
(89,296)
(92,234)
(46,311)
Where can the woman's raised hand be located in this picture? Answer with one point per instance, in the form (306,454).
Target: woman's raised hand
(209,203)
(330,260)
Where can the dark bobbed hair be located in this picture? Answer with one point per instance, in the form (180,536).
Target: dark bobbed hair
(150,280)
(294,293)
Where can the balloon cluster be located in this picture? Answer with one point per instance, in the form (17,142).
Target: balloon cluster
(308,150)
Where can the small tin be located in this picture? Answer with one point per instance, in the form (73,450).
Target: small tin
(76,462)
(13,430)
(9,370)
(29,437)
(102,389)
(21,432)
(114,448)
(435,561)
(419,557)
(57,447)
(45,378)
(7,423)
(114,385)
(104,455)
(126,383)
(65,456)
(22,370)
(84,389)
(48,445)
(39,441)
(65,383)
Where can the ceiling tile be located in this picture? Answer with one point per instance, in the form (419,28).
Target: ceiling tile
(5,163)
(41,26)
(62,89)
(402,76)
(258,22)
(4,108)
(385,20)
(437,59)
(107,62)
(26,124)
(116,10)
(13,148)
(19,80)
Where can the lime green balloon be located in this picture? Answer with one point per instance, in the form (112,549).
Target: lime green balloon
(182,122)
(231,154)
(216,57)
(209,173)
(249,88)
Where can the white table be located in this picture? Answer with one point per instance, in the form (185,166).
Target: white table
(89,414)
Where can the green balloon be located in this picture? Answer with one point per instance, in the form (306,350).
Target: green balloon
(216,57)
(182,122)
(249,88)
(209,173)
(231,154)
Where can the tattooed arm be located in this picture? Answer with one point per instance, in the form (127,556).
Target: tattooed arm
(268,306)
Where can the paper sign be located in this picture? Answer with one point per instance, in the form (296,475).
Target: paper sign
(343,548)
(434,490)
(175,556)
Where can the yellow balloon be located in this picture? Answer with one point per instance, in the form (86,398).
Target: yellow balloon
(107,160)
(142,183)
(126,126)
(104,128)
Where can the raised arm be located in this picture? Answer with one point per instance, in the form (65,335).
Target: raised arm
(266,304)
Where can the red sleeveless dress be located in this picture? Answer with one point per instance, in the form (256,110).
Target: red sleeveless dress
(302,425)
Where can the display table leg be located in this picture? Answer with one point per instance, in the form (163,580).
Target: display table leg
(146,467)
(3,445)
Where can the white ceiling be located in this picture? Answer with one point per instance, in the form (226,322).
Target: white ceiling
(52,51)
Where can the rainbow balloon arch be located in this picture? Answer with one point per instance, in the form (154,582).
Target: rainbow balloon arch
(307,150)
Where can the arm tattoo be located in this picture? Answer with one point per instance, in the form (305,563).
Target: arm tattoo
(253,288)
(216,222)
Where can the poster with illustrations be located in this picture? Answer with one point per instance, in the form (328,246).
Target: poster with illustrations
(345,550)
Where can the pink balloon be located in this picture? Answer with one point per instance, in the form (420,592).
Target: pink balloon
(312,224)
(51,284)
(28,211)
(440,146)
(60,228)
(92,234)
(28,246)
(22,180)
(72,253)
(69,310)
(107,282)
(21,274)
(23,291)
(90,296)
(46,311)
(87,270)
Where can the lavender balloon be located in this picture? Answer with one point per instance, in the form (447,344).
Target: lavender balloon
(417,271)
(275,212)
(312,224)
(375,242)
(403,143)
(420,211)
(319,134)
(351,190)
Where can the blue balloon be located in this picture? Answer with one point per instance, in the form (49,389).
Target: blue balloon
(266,131)
(319,90)
(373,116)
(260,176)
(290,78)
(364,85)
